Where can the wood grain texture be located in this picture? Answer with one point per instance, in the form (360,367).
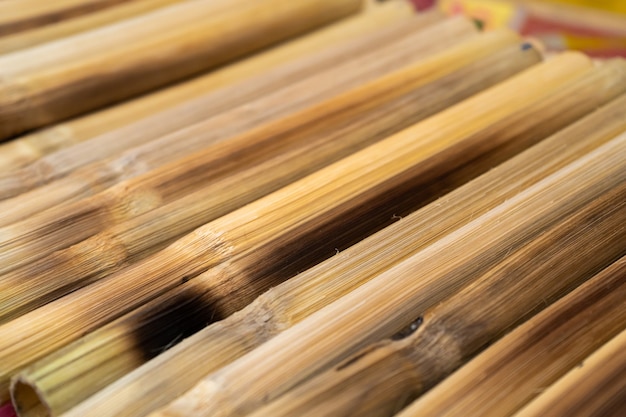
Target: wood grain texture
(528,360)
(140,216)
(593,184)
(20,15)
(63,28)
(58,80)
(383,379)
(295,224)
(27,149)
(73,368)
(596,388)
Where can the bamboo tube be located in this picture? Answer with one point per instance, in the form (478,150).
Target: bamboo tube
(286,225)
(69,27)
(385,377)
(275,156)
(78,370)
(384,305)
(235,110)
(20,15)
(29,148)
(58,80)
(513,371)
(595,388)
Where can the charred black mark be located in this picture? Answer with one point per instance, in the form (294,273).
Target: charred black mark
(408,330)
(526,46)
(166,322)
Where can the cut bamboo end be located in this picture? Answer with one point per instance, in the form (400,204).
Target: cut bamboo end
(27,400)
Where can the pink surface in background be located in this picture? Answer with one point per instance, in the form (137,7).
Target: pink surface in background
(6,410)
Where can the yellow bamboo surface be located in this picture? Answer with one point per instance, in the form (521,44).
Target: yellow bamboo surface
(196,124)
(520,366)
(384,378)
(27,149)
(69,27)
(58,80)
(21,15)
(296,216)
(392,300)
(595,388)
(276,155)
(60,377)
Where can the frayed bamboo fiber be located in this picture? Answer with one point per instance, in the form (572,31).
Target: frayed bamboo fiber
(61,29)
(187,194)
(517,368)
(29,148)
(79,369)
(302,223)
(189,127)
(594,184)
(69,77)
(595,388)
(385,377)
(21,15)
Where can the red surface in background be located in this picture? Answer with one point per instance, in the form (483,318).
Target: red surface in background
(6,410)
(423,4)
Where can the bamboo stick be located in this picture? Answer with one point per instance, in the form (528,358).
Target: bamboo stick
(20,15)
(269,96)
(79,24)
(386,377)
(90,363)
(595,388)
(27,149)
(305,214)
(384,305)
(274,156)
(513,371)
(58,80)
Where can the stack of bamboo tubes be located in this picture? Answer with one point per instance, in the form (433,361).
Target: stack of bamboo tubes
(311,208)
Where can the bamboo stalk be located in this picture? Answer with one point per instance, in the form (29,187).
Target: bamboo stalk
(146,145)
(595,388)
(21,15)
(60,29)
(27,149)
(318,212)
(386,377)
(384,305)
(513,371)
(58,80)
(91,363)
(265,160)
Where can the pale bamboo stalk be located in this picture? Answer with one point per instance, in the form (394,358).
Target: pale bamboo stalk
(27,149)
(516,369)
(62,79)
(303,222)
(21,15)
(114,156)
(276,155)
(60,29)
(386,377)
(386,304)
(595,388)
(77,370)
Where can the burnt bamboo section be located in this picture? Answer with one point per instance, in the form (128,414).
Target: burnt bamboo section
(391,214)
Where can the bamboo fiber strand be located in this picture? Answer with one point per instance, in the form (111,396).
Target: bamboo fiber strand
(190,127)
(514,370)
(86,363)
(69,27)
(27,149)
(383,379)
(66,78)
(274,156)
(595,388)
(383,306)
(296,216)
